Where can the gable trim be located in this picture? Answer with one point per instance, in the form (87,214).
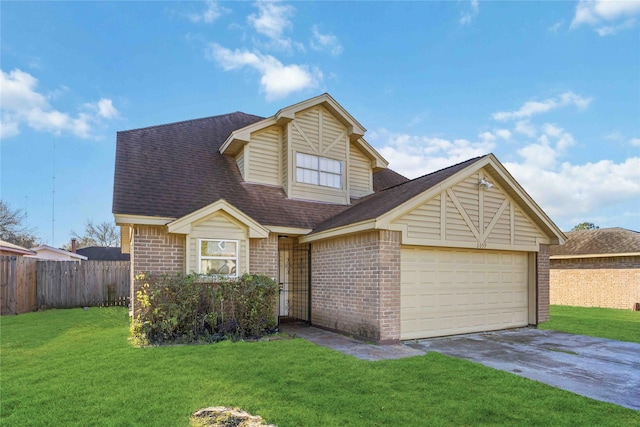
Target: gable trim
(183,225)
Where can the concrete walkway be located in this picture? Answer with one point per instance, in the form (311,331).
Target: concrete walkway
(598,368)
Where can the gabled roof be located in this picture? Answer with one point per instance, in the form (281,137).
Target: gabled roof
(598,243)
(355,131)
(103,253)
(7,248)
(379,203)
(58,251)
(378,209)
(169,171)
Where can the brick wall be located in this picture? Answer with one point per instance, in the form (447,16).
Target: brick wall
(355,285)
(610,282)
(542,283)
(263,256)
(153,250)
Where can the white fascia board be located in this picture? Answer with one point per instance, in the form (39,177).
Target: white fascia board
(124,219)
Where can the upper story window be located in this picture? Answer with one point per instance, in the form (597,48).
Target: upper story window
(218,257)
(318,170)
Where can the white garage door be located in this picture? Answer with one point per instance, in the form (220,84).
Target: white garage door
(457,291)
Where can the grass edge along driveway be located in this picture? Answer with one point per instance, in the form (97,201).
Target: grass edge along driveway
(75,367)
(610,323)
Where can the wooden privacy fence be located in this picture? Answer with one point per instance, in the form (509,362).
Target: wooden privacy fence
(17,285)
(29,284)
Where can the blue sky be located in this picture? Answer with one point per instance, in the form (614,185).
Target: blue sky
(551,88)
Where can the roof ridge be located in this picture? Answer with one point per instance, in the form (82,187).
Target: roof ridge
(188,121)
(430,173)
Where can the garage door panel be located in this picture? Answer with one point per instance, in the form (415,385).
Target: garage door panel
(454,291)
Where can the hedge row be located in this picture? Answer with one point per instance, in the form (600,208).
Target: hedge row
(191,308)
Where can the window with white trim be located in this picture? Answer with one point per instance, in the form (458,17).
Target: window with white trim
(318,170)
(218,257)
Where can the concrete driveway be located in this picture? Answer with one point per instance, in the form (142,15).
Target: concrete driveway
(594,367)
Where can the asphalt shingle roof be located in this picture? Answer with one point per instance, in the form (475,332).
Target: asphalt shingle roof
(103,253)
(599,241)
(174,169)
(383,201)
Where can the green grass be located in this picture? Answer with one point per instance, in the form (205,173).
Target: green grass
(621,325)
(75,367)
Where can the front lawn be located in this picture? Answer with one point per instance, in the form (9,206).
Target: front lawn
(621,325)
(75,367)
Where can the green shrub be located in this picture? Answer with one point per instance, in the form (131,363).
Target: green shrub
(191,308)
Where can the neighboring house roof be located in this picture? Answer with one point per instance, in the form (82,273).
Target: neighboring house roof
(7,248)
(103,253)
(174,169)
(49,252)
(598,243)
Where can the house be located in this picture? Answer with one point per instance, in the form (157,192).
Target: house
(46,252)
(103,253)
(9,249)
(302,197)
(597,268)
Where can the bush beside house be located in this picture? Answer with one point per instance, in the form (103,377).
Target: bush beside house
(191,308)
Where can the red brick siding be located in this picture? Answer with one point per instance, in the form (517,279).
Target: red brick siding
(355,285)
(610,282)
(542,283)
(263,256)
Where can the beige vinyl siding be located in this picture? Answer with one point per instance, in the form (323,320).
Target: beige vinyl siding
(360,176)
(307,130)
(456,291)
(264,158)
(492,220)
(468,194)
(456,227)
(526,233)
(218,226)
(423,223)
(240,162)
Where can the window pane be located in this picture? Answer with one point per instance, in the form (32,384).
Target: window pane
(306,161)
(218,266)
(218,248)
(311,177)
(330,180)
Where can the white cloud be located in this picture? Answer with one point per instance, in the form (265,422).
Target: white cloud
(272,18)
(503,133)
(469,13)
(555,27)
(635,142)
(611,30)
(211,12)
(21,104)
(415,155)
(531,108)
(325,42)
(277,81)
(576,191)
(526,128)
(597,12)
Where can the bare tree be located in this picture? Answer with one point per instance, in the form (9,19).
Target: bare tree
(12,229)
(103,234)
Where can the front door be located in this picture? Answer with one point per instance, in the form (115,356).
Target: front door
(283,280)
(294,263)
